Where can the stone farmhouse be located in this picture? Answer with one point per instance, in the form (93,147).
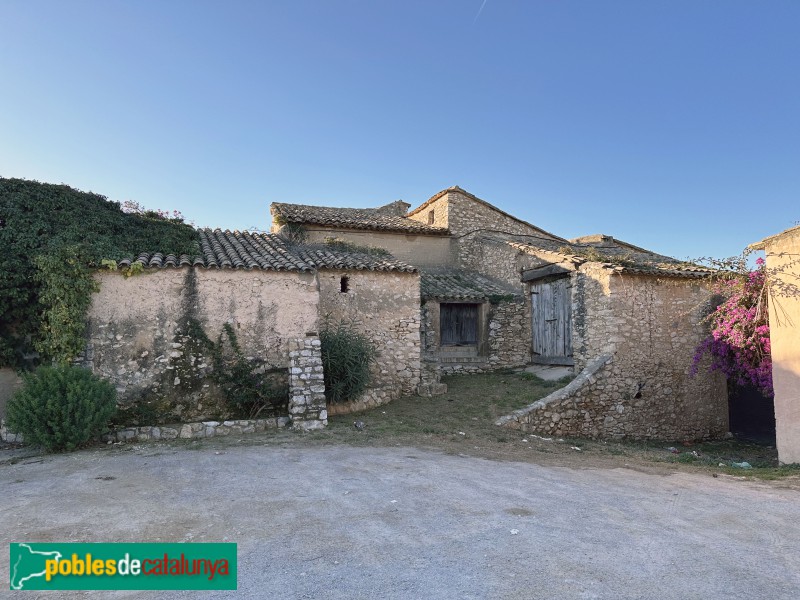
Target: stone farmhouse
(498,292)
(455,285)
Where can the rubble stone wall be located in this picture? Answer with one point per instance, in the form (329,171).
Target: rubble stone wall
(496,259)
(634,339)
(465,214)
(504,340)
(385,306)
(439,208)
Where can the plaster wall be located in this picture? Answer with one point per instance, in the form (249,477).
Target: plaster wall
(418,250)
(138,336)
(783,271)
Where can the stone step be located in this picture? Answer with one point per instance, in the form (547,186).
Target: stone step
(462,360)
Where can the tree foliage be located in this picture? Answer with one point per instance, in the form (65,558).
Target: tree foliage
(51,235)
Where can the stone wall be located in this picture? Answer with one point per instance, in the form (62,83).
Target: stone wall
(495,258)
(139,340)
(385,306)
(465,214)
(417,250)
(503,340)
(196,430)
(509,334)
(648,328)
(307,410)
(783,274)
(440,210)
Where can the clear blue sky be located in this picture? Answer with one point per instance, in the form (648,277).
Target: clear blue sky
(673,124)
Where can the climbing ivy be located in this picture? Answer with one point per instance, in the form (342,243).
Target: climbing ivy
(66,286)
(51,237)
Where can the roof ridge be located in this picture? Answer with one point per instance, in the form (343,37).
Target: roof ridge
(471,196)
(381,218)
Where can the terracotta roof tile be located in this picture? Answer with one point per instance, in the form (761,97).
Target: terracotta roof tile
(324,257)
(268,252)
(457,284)
(615,254)
(378,219)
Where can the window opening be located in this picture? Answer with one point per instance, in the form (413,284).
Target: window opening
(458,324)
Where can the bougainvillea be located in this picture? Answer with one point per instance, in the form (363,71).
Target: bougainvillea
(739,343)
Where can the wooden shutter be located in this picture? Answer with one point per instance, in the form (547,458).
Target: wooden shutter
(458,324)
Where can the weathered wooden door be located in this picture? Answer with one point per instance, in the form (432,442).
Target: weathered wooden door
(551,317)
(459,324)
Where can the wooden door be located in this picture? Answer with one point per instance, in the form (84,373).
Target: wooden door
(551,318)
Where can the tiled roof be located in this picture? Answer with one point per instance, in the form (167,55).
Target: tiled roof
(615,254)
(324,257)
(378,219)
(268,252)
(456,284)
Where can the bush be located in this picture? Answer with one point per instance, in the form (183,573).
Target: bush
(61,408)
(346,355)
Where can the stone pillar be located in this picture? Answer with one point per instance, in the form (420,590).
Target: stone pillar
(307,405)
(430,382)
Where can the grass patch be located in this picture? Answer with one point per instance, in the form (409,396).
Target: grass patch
(461,419)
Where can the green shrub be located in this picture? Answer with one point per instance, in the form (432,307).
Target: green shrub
(61,408)
(346,356)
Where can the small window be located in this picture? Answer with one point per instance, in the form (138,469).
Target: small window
(344,284)
(431,217)
(458,324)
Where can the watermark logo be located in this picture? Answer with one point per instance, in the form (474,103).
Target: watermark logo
(148,566)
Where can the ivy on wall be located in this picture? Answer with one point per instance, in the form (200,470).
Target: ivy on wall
(51,237)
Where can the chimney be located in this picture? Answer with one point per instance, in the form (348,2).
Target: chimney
(398,208)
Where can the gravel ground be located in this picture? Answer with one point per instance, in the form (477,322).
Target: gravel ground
(362,522)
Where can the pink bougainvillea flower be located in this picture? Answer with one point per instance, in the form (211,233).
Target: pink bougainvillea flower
(739,343)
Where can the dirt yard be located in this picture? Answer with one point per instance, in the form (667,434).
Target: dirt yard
(429,501)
